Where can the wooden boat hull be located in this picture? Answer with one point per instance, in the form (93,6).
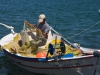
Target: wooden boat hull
(83,65)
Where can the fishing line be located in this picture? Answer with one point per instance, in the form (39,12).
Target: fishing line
(84,30)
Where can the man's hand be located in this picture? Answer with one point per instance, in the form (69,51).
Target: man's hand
(44,34)
(29,24)
(39,31)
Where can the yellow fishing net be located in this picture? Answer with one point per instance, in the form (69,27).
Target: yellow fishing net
(12,46)
(53,43)
(29,47)
(69,49)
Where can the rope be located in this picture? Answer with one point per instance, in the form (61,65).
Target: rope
(84,30)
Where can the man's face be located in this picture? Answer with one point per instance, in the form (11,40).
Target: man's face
(42,22)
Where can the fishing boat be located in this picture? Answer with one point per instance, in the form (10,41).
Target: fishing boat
(30,50)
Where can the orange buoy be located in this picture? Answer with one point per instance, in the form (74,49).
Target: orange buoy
(41,55)
(80,51)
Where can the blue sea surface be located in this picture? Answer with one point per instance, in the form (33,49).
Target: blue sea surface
(77,20)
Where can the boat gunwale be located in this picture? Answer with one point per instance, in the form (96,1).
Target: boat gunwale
(30,59)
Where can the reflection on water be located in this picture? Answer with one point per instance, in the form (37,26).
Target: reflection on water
(79,71)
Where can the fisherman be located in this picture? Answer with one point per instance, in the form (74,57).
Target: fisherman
(41,25)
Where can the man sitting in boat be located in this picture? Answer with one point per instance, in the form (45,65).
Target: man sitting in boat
(41,25)
(42,29)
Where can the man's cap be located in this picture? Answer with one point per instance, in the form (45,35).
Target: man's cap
(41,17)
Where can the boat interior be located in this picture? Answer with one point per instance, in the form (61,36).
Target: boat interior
(30,42)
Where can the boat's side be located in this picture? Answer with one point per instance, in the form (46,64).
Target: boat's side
(7,39)
(84,65)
